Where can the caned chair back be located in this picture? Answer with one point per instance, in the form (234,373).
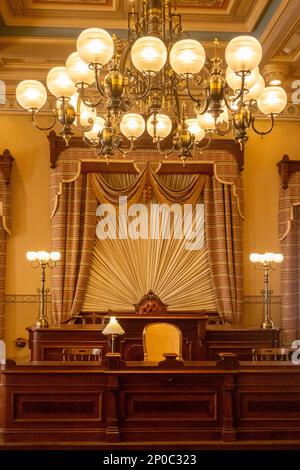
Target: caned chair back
(160,338)
(272,354)
(82,354)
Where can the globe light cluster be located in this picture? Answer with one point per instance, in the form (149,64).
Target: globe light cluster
(155,67)
(266,258)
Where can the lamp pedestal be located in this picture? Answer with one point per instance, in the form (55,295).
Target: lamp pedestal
(42,321)
(267,321)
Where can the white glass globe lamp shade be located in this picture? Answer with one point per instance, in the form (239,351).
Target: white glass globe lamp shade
(206,121)
(132,125)
(187,56)
(272,100)
(95,46)
(31,94)
(78,70)
(243,53)
(195,129)
(148,54)
(59,83)
(163,126)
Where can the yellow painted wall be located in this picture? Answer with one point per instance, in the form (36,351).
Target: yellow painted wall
(30,220)
(261,189)
(31,226)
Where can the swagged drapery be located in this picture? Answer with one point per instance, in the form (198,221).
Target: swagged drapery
(74,200)
(124,268)
(5,169)
(289,237)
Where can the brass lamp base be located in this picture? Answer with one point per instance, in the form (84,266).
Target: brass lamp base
(42,323)
(267,323)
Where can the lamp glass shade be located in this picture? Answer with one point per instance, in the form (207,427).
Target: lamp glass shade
(254,258)
(148,54)
(132,125)
(278,258)
(95,45)
(272,100)
(31,255)
(55,255)
(94,133)
(269,257)
(59,82)
(195,129)
(87,114)
(113,328)
(31,94)
(243,53)
(235,81)
(187,56)
(256,90)
(78,70)
(163,126)
(206,121)
(43,256)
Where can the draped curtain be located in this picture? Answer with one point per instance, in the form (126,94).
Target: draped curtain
(289,237)
(123,270)
(73,211)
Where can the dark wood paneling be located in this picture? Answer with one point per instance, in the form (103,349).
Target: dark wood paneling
(199,342)
(58,402)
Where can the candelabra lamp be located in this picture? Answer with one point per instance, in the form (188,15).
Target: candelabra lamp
(43,259)
(114,329)
(266,262)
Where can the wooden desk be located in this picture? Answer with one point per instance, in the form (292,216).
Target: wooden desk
(238,340)
(46,344)
(67,404)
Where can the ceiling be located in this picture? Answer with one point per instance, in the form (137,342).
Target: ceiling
(36,35)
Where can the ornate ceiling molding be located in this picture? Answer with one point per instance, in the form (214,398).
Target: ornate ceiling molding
(198,15)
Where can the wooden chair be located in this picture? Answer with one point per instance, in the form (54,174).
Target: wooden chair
(160,338)
(272,354)
(82,354)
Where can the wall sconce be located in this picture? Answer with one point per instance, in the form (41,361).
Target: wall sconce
(114,329)
(265,262)
(43,259)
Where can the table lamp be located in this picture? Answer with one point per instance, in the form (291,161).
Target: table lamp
(114,329)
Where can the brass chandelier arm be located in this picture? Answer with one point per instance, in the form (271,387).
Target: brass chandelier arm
(262,133)
(97,68)
(165,154)
(224,132)
(34,121)
(146,92)
(83,98)
(126,150)
(196,100)
(200,150)
(89,142)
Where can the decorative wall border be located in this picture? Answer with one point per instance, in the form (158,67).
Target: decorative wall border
(34,298)
(24,298)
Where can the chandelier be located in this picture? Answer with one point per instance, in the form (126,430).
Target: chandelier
(156,80)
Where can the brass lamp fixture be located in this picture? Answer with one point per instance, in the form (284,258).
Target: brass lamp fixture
(156,79)
(266,262)
(43,259)
(114,329)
